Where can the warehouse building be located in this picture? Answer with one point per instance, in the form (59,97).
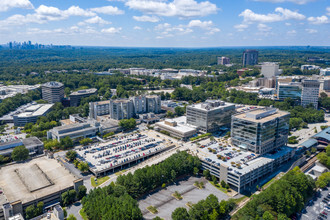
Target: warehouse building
(39,180)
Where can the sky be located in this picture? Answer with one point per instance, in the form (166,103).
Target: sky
(166,23)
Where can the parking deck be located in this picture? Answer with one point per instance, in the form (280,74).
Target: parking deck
(120,151)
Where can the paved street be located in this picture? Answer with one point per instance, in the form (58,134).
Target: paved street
(313,210)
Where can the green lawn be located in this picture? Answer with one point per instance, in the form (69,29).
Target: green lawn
(219,187)
(99,180)
(83,214)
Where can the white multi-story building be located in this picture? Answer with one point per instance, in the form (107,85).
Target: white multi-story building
(269,69)
(309,67)
(310,92)
(99,109)
(325,72)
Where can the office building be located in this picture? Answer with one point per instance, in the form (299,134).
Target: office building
(140,104)
(260,131)
(99,109)
(289,90)
(210,115)
(266,82)
(37,180)
(223,60)
(177,127)
(270,69)
(250,57)
(243,170)
(153,104)
(325,72)
(74,131)
(33,144)
(76,97)
(309,67)
(52,92)
(310,92)
(326,85)
(31,114)
(121,109)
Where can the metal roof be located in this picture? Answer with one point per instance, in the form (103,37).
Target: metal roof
(325,134)
(309,143)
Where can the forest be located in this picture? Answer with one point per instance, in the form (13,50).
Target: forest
(281,199)
(148,178)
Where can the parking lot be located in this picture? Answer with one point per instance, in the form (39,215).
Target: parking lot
(166,204)
(119,151)
(315,207)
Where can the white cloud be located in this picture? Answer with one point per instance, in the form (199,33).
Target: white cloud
(292,32)
(328,11)
(319,20)
(179,8)
(109,10)
(311,31)
(111,30)
(280,15)
(146,18)
(264,28)
(5,5)
(241,27)
(299,2)
(288,24)
(167,30)
(137,28)
(43,14)
(94,20)
(207,25)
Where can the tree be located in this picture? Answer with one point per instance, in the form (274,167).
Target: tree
(127,124)
(169,114)
(207,174)
(20,153)
(4,159)
(81,192)
(173,175)
(40,208)
(180,214)
(223,184)
(196,171)
(71,217)
(68,197)
(85,141)
(71,155)
(268,216)
(214,180)
(30,212)
(66,143)
(179,111)
(83,166)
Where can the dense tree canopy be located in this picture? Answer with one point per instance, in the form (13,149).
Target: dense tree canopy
(283,198)
(20,153)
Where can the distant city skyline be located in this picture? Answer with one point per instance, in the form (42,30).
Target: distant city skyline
(166,23)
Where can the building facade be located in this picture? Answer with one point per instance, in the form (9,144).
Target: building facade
(31,114)
(74,131)
(325,72)
(140,104)
(223,60)
(121,109)
(99,109)
(52,92)
(250,57)
(210,115)
(260,131)
(291,90)
(76,97)
(270,69)
(310,92)
(153,104)
(33,144)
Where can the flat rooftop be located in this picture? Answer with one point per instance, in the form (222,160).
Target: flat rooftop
(181,126)
(53,84)
(35,110)
(83,92)
(34,179)
(211,105)
(247,160)
(261,115)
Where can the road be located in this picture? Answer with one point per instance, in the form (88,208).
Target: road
(304,134)
(317,206)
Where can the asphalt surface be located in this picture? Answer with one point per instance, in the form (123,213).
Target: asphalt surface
(313,210)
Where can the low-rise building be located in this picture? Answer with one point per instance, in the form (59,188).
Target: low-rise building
(31,114)
(38,180)
(309,67)
(325,72)
(33,144)
(74,131)
(177,127)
